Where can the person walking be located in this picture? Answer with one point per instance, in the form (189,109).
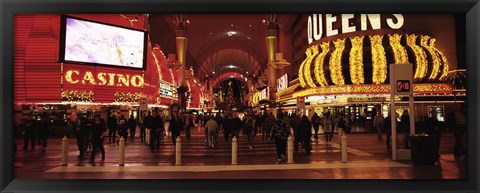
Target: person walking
(266,133)
(98,131)
(405,127)
(348,124)
(305,129)
(81,128)
(132,125)
(296,131)
(187,126)
(227,126)
(29,127)
(122,129)
(249,130)
(148,123)
(112,127)
(141,124)
(378,124)
(280,133)
(157,131)
(259,120)
(387,126)
(236,125)
(316,121)
(175,127)
(43,128)
(327,128)
(211,128)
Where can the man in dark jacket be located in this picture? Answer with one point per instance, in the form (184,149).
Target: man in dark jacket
(387,127)
(43,128)
(266,133)
(132,125)
(227,126)
(280,133)
(316,121)
(98,129)
(157,131)
(29,126)
(112,127)
(175,127)
(147,122)
(81,131)
(296,131)
(305,128)
(236,125)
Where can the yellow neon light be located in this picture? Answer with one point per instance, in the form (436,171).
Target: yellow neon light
(319,62)
(445,62)
(420,57)
(379,60)
(435,58)
(335,62)
(399,52)
(307,68)
(356,60)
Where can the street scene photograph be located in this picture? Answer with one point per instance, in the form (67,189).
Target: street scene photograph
(240,96)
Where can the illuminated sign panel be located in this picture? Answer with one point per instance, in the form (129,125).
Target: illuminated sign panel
(322,25)
(366,99)
(264,94)
(95,43)
(403,86)
(167,90)
(282,83)
(103,79)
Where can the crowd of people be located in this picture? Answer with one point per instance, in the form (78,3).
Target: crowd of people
(90,133)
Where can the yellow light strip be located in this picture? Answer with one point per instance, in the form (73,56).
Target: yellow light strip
(308,52)
(444,72)
(399,52)
(127,97)
(435,58)
(307,68)
(158,66)
(420,57)
(319,61)
(77,96)
(373,89)
(335,63)
(379,60)
(356,61)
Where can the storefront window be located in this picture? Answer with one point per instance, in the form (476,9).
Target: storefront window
(438,111)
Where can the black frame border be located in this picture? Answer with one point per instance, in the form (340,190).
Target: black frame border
(8,8)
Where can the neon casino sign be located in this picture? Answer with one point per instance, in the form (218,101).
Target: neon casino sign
(103,79)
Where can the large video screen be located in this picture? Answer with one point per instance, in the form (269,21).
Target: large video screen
(94,43)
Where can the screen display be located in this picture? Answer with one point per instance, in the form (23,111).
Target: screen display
(90,42)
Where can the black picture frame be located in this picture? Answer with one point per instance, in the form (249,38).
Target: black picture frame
(471,9)
(63,30)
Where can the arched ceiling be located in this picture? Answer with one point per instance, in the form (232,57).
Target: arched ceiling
(220,43)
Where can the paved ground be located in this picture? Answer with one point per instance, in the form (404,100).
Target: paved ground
(368,159)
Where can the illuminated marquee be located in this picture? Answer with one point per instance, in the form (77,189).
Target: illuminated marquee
(264,94)
(315,24)
(282,83)
(102,78)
